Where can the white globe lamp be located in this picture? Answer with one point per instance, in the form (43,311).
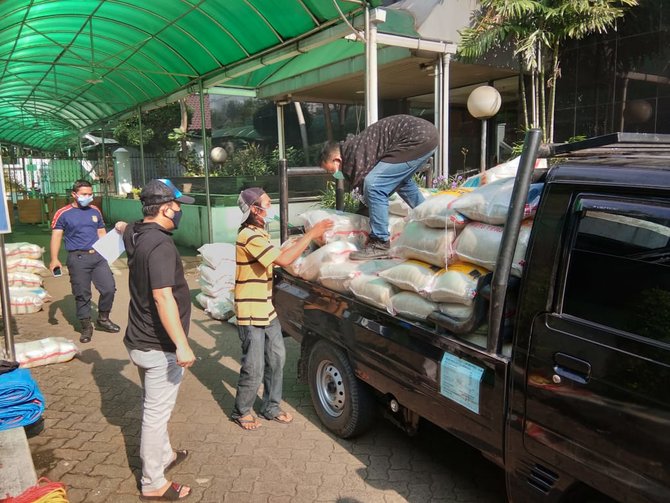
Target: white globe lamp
(218,155)
(483,103)
(638,111)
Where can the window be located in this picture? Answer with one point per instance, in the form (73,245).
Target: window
(619,270)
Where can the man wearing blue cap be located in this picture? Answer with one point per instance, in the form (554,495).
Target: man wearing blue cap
(156,338)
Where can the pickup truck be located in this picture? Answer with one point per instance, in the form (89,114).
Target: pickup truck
(562,378)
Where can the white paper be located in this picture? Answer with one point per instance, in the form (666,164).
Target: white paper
(110,246)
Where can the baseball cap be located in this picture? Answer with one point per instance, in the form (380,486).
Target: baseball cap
(162,190)
(247,199)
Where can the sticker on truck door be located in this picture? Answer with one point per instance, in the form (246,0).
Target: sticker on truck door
(460,380)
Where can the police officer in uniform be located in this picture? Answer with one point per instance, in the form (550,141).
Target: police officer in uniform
(81,224)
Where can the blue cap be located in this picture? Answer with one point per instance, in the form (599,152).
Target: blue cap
(162,190)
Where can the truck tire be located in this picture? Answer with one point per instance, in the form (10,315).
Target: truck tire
(343,403)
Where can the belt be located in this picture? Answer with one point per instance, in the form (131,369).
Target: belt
(82,251)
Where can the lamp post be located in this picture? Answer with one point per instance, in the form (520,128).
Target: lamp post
(483,103)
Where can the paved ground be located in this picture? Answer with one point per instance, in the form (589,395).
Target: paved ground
(91,435)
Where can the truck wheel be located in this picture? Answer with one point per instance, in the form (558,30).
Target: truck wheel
(342,402)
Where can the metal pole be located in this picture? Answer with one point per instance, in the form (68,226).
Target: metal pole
(6,310)
(371,94)
(205,161)
(482,156)
(437,112)
(303,130)
(105,174)
(283,200)
(281,134)
(510,237)
(142,168)
(444,116)
(339,195)
(283,174)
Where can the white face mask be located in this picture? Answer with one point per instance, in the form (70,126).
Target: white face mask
(271,214)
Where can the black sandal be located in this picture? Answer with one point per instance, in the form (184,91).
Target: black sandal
(170,494)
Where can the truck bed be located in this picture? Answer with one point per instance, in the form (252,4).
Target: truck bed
(409,361)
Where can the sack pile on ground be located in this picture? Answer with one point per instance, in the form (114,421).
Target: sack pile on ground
(45,351)
(217,280)
(25,272)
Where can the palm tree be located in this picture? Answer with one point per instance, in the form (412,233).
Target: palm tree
(537,29)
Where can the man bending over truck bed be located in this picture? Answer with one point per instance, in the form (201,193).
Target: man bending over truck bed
(383,159)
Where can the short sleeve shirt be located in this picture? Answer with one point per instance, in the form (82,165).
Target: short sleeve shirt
(79,225)
(154,263)
(254,255)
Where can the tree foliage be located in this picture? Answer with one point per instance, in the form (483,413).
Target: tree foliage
(537,30)
(157,125)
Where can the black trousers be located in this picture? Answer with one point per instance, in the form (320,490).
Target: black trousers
(85,268)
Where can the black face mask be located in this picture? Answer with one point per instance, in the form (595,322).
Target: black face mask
(176,217)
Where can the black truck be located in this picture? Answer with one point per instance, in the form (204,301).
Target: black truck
(562,378)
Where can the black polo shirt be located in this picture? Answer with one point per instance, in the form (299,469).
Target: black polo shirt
(154,263)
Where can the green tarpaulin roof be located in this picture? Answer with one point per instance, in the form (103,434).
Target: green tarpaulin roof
(67,65)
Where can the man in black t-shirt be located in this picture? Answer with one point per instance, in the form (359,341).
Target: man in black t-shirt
(158,322)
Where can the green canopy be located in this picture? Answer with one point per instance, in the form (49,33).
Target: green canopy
(68,66)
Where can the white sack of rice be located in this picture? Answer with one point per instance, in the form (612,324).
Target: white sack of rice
(435,211)
(412,276)
(456,284)
(479,243)
(337,252)
(338,276)
(373,290)
(411,305)
(456,311)
(420,242)
(346,226)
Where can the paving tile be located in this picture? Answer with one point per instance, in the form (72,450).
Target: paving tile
(92,430)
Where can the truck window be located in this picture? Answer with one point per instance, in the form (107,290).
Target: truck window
(619,268)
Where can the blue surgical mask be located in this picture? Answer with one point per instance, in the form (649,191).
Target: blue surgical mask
(338,175)
(84,200)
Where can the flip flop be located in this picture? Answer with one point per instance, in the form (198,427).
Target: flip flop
(246,424)
(170,494)
(282,418)
(180,455)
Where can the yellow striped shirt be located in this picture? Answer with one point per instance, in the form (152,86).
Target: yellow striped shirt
(254,255)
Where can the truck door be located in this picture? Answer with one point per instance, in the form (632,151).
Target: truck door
(598,377)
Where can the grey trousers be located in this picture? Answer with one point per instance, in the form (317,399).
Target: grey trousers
(263,357)
(160,376)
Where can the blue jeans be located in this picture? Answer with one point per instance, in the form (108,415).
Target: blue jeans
(385,179)
(160,376)
(263,357)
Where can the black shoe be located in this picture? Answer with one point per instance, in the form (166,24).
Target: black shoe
(374,249)
(107,326)
(86,330)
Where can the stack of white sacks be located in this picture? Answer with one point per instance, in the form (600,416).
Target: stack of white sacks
(440,248)
(217,280)
(25,272)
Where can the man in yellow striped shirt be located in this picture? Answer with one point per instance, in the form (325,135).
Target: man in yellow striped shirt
(263,352)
